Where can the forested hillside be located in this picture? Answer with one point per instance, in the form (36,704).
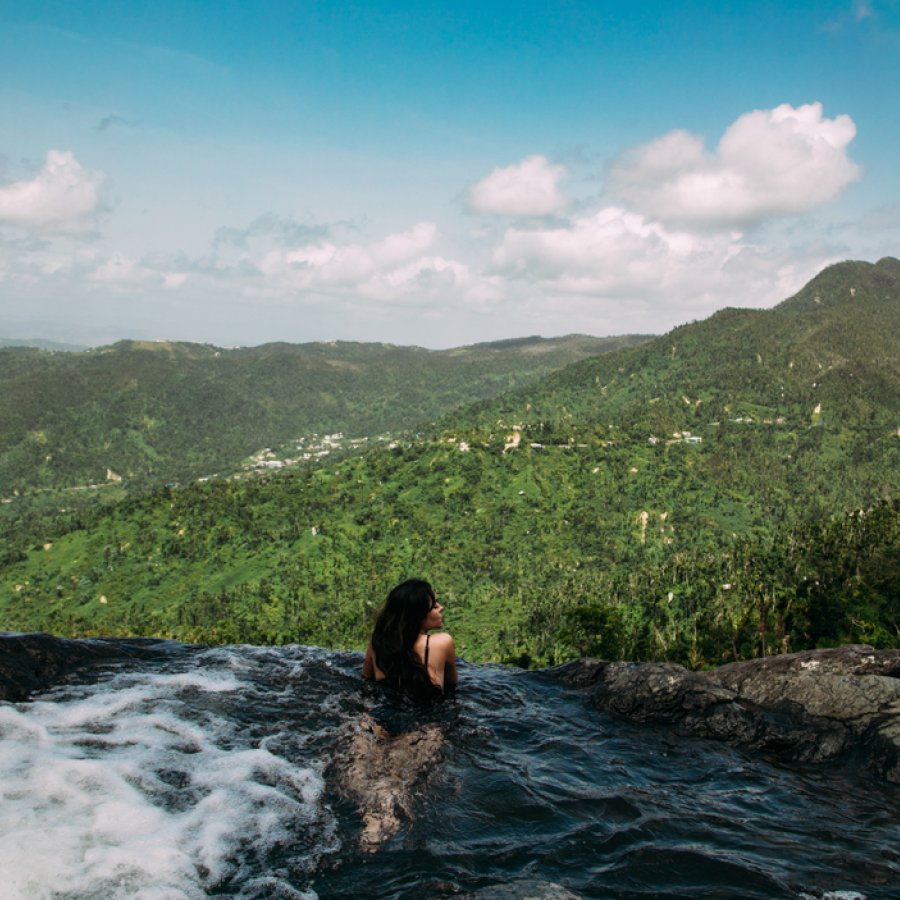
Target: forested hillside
(726,490)
(153,413)
(827,356)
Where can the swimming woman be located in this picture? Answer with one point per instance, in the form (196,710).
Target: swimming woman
(383,768)
(403,652)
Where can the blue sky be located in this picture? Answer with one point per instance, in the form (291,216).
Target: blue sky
(434,173)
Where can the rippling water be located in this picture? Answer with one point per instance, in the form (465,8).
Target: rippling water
(225,772)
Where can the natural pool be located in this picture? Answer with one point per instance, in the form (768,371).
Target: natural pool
(224,772)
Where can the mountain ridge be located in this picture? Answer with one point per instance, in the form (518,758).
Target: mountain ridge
(167,411)
(674,368)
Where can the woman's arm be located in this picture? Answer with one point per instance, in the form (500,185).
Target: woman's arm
(450,676)
(442,661)
(368,666)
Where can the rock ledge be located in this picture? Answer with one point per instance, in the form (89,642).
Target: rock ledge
(32,662)
(812,706)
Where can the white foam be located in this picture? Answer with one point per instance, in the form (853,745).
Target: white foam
(843,895)
(131,789)
(834,895)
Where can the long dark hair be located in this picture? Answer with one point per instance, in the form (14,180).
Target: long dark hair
(396,631)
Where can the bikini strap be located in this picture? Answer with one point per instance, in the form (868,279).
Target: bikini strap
(427,639)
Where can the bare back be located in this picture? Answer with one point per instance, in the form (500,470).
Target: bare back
(440,662)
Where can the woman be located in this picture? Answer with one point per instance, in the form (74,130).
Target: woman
(402,652)
(383,768)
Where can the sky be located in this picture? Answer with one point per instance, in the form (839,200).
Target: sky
(244,171)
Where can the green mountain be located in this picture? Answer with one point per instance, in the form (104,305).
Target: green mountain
(834,344)
(726,490)
(152,413)
(802,399)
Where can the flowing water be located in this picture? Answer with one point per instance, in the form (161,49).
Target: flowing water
(276,772)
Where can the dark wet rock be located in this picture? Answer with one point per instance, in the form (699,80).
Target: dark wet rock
(524,889)
(811,706)
(32,662)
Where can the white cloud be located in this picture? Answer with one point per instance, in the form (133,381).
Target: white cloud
(397,248)
(616,271)
(528,188)
(63,196)
(400,269)
(325,264)
(397,269)
(424,280)
(124,274)
(611,251)
(769,163)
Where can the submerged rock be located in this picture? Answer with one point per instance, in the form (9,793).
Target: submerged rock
(812,706)
(32,662)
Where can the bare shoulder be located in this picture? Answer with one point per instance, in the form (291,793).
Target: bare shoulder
(444,656)
(442,640)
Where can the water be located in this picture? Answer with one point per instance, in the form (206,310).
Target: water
(250,772)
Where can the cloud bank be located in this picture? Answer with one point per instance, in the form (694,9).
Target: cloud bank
(671,238)
(399,269)
(528,188)
(769,163)
(610,251)
(63,196)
